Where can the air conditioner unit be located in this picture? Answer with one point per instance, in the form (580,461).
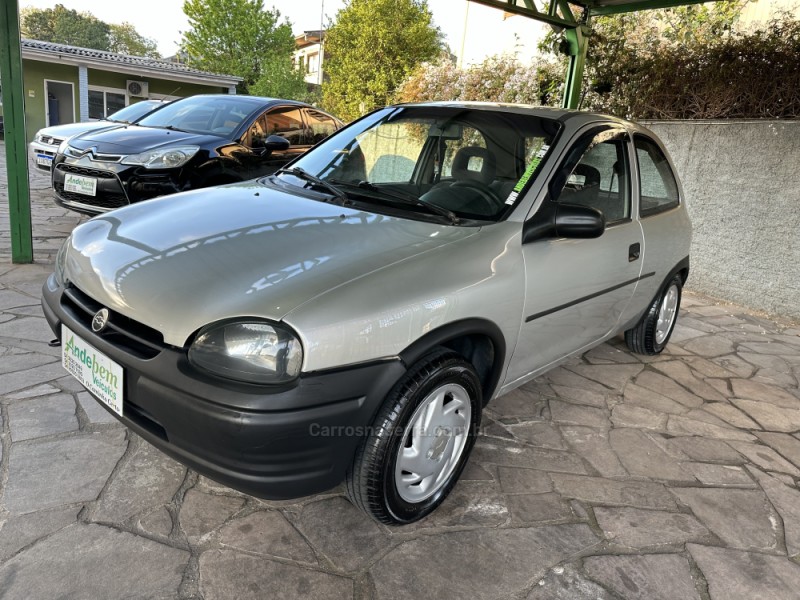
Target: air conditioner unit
(138,88)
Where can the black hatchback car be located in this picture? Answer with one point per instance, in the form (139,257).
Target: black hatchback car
(194,142)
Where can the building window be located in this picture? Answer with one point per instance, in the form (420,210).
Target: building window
(105,102)
(313,63)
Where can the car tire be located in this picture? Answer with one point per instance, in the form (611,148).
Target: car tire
(651,334)
(419,442)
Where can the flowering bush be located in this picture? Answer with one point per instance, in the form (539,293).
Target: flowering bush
(497,79)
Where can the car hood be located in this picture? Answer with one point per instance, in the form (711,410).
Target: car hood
(180,262)
(132,139)
(70,129)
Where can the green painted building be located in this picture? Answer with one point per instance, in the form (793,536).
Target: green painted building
(66,84)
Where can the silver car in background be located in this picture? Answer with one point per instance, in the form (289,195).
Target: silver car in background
(348,318)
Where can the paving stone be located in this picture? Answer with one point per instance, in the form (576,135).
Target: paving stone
(784,444)
(20,380)
(740,518)
(737,575)
(642,458)
(474,503)
(18,532)
(564,377)
(651,577)
(91,561)
(766,458)
(45,474)
(23,362)
(499,452)
(774,378)
(641,494)
(624,415)
(709,346)
(680,372)
(567,583)
(681,333)
(521,402)
(12,299)
(27,328)
(593,446)
(761,392)
(40,417)
(638,528)
(639,396)
(731,415)
(735,364)
(543,435)
(719,475)
(608,354)
(202,513)
(580,396)
(564,412)
(158,522)
(267,533)
(522,556)
(94,411)
(611,376)
(771,417)
(664,386)
(147,479)
(711,369)
(535,508)
(523,481)
(226,574)
(344,534)
(786,501)
(40,390)
(768,348)
(766,361)
(680,425)
(474,472)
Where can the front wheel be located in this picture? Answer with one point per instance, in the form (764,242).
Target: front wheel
(419,441)
(651,334)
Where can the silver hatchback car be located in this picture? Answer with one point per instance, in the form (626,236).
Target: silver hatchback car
(348,318)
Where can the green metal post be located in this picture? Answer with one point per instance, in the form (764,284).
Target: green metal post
(19,200)
(578,40)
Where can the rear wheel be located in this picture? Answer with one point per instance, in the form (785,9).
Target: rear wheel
(651,334)
(419,442)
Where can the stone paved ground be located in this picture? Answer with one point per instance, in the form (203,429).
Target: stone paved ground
(615,476)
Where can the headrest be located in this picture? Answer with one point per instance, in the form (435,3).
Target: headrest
(474,162)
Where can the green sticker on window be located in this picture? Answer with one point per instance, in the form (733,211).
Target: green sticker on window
(531,169)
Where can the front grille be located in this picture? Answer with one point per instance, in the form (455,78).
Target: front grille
(99,173)
(102,200)
(124,333)
(51,141)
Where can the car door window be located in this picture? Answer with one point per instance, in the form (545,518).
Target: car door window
(320,126)
(256,135)
(657,185)
(601,179)
(287,122)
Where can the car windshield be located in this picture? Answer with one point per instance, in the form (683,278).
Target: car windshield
(217,115)
(465,162)
(134,112)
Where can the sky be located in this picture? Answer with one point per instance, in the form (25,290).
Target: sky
(486,31)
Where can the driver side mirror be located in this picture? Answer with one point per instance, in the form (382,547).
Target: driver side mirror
(276,142)
(564,220)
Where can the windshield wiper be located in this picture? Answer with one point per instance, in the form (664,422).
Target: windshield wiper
(405,198)
(173,128)
(313,179)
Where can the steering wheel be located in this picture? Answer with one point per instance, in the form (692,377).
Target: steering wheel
(489,197)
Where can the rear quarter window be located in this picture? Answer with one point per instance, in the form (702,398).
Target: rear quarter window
(657,184)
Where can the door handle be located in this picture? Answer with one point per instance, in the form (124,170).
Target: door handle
(634,252)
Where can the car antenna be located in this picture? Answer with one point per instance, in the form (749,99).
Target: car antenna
(170,94)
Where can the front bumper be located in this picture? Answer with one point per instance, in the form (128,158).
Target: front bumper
(275,443)
(42,155)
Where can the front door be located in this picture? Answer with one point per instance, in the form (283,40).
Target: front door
(577,289)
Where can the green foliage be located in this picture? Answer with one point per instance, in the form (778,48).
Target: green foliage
(279,79)
(497,79)
(239,37)
(60,25)
(124,39)
(372,47)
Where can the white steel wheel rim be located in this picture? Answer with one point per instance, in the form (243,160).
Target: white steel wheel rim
(432,443)
(667,313)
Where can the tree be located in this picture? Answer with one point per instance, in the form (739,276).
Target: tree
(373,46)
(124,39)
(239,37)
(60,25)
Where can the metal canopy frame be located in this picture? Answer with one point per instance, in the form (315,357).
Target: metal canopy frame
(573,18)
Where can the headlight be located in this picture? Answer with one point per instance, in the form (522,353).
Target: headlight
(163,158)
(255,352)
(62,147)
(61,261)
(38,138)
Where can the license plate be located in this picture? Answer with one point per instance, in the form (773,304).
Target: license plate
(44,160)
(80,185)
(98,373)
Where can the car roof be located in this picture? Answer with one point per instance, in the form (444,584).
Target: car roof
(254,100)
